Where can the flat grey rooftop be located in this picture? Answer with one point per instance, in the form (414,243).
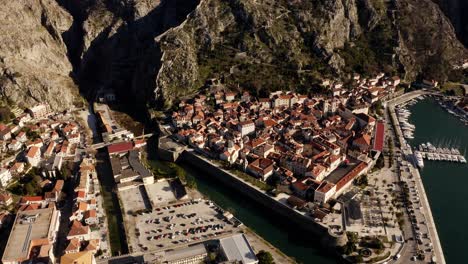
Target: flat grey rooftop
(187,252)
(28,226)
(236,248)
(341,171)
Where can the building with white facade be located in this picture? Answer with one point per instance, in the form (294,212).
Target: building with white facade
(5,177)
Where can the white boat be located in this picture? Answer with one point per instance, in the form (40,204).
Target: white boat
(455,151)
(462,159)
(419,159)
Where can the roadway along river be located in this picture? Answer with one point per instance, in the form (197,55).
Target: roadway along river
(445,182)
(279,233)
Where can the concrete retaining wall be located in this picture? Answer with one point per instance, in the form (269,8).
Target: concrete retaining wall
(304,222)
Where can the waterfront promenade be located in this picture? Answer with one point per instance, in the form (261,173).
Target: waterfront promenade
(407,153)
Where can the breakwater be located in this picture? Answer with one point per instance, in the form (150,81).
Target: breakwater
(304,222)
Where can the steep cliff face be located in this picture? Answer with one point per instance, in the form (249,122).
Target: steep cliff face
(456,11)
(34,66)
(159,51)
(265,44)
(117,38)
(262,43)
(428,44)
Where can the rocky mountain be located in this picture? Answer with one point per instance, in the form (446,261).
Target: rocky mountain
(154,52)
(268,44)
(34,65)
(456,11)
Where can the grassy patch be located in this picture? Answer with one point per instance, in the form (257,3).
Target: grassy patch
(452,88)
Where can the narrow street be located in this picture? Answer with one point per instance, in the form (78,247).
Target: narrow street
(65,207)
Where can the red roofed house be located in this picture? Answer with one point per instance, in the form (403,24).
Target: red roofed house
(325,191)
(300,188)
(34,156)
(5,132)
(246,127)
(31,200)
(73,246)
(77,230)
(317,171)
(81,196)
(363,142)
(348,178)
(120,147)
(18,167)
(56,193)
(93,245)
(261,168)
(90,217)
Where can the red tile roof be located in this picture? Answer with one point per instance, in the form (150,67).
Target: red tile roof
(33,151)
(379,136)
(31,199)
(74,245)
(120,147)
(78,229)
(350,175)
(27,207)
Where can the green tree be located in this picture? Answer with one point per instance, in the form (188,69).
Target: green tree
(65,173)
(16,188)
(265,257)
(191,183)
(32,135)
(6,115)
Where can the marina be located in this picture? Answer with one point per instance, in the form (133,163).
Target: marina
(426,151)
(419,207)
(452,106)
(430,152)
(444,182)
(403,115)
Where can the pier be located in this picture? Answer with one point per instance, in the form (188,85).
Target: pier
(429,152)
(407,152)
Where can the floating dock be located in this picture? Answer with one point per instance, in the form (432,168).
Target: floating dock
(430,152)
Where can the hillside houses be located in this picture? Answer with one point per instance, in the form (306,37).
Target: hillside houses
(308,137)
(42,139)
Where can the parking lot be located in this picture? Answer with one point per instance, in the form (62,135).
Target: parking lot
(180,223)
(156,220)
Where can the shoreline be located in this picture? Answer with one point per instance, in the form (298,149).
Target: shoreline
(407,151)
